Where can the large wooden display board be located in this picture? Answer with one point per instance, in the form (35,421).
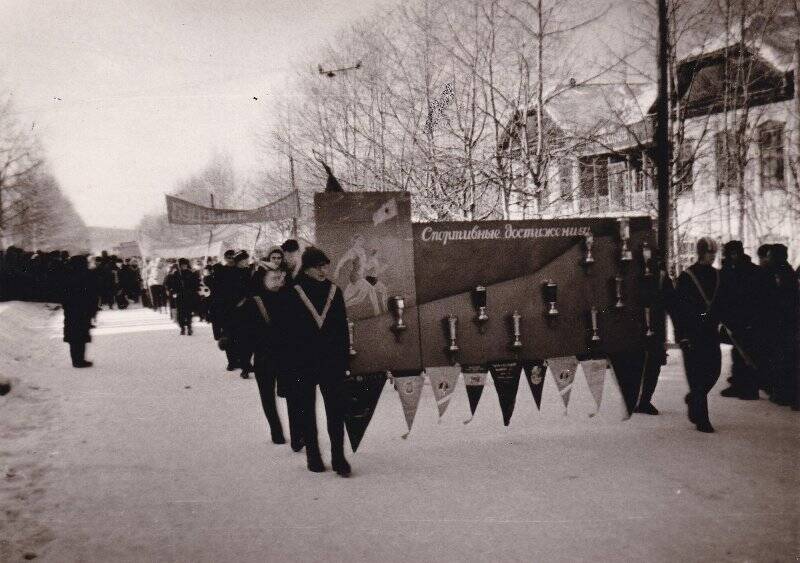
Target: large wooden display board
(377,254)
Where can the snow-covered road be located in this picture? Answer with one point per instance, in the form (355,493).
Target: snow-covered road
(158,454)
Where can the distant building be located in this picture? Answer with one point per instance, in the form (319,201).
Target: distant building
(736,154)
(109,238)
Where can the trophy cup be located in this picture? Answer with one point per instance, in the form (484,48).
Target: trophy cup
(618,292)
(625,234)
(452,333)
(479,302)
(515,321)
(550,294)
(350,328)
(595,335)
(647,323)
(647,255)
(397,306)
(588,242)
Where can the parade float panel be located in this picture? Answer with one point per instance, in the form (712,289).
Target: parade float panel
(368,237)
(522,290)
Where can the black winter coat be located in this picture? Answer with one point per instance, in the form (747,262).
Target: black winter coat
(691,316)
(79,300)
(312,351)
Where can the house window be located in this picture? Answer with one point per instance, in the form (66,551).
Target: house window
(770,145)
(601,174)
(565,179)
(725,155)
(617,174)
(684,179)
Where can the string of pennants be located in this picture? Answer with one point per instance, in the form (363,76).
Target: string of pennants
(364,390)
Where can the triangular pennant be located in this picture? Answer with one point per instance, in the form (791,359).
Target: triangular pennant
(362,392)
(563,371)
(506,383)
(628,368)
(595,373)
(443,382)
(474,379)
(409,384)
(534,373)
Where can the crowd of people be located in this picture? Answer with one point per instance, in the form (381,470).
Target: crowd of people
(281,319)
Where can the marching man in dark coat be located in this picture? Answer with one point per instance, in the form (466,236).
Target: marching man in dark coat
(316,354)
(696,319)
(266,319)
(185,285)
(745,290)
(80,305)
(221,306)
(658,294)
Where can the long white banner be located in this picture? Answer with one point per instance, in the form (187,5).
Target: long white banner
(182,212)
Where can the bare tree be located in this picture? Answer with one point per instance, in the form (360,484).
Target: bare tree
(20,156)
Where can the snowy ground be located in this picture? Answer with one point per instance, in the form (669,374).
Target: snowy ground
(158,454)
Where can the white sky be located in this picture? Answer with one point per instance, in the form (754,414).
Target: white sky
(130,96)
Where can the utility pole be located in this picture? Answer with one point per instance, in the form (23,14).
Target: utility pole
(296,196)
(663,152)
(663,147)
(211,230)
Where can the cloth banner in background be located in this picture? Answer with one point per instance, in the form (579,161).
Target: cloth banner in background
(362,392)
(595,373)
(408,384)
(474,379)
(506,383)
(534,373)
(563,372)
(443,382)
(182,212)
(194,251)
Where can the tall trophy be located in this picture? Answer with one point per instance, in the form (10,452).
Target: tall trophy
(452,335)
(516,319)
(625,235)
(397,306)
(595,335)
(350,330)
(588,244)
(479,302)
(550,294)
(618,292)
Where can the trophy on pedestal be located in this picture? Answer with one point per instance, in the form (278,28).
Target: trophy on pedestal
(479,302)
(588,244)
(516,319)
(595,336)
(625,235)
(452,336)
(350,329)
(550,295)
(397,306)
(618,292)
